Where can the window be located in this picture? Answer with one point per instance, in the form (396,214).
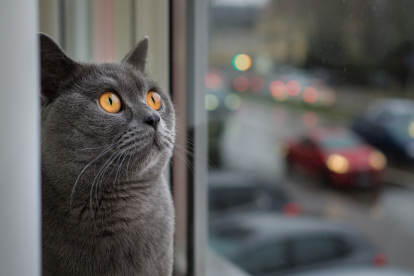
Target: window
(339,73)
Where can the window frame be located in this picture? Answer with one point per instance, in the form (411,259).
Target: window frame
(188,52)
(20,199)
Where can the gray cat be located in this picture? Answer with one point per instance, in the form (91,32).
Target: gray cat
(107,134)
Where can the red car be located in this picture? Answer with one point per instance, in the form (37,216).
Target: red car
(338,156)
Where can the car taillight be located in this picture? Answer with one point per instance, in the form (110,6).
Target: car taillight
(292,209)
(380,260)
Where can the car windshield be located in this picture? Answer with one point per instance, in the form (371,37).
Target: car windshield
(343,141)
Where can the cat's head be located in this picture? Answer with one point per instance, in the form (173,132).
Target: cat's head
(102,117)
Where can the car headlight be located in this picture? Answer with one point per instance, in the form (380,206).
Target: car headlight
(377,160)
(337,163)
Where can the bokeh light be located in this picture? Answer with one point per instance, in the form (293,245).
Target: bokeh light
(241,84)
(293,88)
(277,88)
(211,102)
(310,119)
(256,84)
(411,129)
(310,95)
(337,163)
(212,81)
(242,62)
(377,160)
(232,101)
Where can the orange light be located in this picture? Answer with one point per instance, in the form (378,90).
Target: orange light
(293,88)
(277,88)
(337,163)
(242,62)
(310,119)
(310,95)
(241,84)
(377,160)
(256,84)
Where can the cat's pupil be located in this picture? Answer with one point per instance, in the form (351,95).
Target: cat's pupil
(153,100)
(110,101)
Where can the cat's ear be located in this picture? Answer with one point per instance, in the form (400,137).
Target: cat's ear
(56,67)
(138,56)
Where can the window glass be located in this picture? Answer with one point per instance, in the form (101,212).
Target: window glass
(339,73)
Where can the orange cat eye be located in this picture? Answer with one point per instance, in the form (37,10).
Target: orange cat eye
(110,102)
(154,100)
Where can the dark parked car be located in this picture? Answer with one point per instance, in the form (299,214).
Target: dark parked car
(271,244)
(389,126)
(232,193)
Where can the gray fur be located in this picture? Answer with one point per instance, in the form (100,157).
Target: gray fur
(107,209)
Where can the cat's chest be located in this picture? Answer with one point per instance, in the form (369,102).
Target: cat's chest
(126,209)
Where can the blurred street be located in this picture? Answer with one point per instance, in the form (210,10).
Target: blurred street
(383,215)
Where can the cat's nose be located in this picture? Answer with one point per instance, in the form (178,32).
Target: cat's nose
(153,121)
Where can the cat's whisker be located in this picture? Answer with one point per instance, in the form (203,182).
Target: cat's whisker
(110,161)
(100,174)
(90,163)
(116,176)
(186,151)
(186,161)
(100,146)
(127,169)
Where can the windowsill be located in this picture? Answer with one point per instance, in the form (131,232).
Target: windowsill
(218,266)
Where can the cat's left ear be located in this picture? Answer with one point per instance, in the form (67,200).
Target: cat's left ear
(56,68)
(138,56)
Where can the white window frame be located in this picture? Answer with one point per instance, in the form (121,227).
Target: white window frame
(20,203)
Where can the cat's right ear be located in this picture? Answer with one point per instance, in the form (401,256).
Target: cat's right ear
(56,67)
(138,56)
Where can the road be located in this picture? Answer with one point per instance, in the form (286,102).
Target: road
(251,142)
